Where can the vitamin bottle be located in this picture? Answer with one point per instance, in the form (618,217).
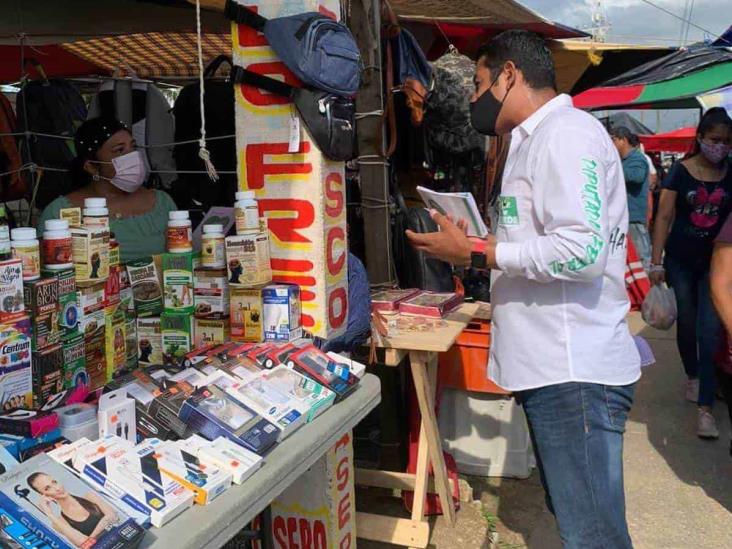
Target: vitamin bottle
(212,247)
(24,245)
(56,246)
(246,212)
(96,214)
(179,234)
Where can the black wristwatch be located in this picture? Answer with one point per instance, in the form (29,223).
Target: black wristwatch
(478,259)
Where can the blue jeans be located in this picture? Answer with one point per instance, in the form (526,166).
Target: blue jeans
(697,326)
(577,431)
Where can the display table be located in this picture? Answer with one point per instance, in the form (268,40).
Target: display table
(213,525)
(423,349)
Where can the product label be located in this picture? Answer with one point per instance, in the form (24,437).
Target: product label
(179,239)
(246,314)
(74,362)
(248,260)
(149,341)
(96,222)
(90,252)
(210,331)
(212,252)
(68,304)
(146,290)
(211,294)
(15,365)
(72,215)
(11,287)
(176,336)
(116,346)
(178,282)
(247,219)
(30,256)
(56,251)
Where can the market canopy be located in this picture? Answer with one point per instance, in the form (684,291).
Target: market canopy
(678,141)
(673,81)
(717,98)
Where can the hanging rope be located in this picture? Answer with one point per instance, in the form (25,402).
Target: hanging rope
(202,150)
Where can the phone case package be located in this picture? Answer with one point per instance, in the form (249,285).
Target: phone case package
(29,519)
(389,300)
(431,304)
(238,461)
(317,365)
(201,476)
(132,474)
(213,413)
(28,423)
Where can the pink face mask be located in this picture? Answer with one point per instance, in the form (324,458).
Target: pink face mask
(714,152)
(130,171)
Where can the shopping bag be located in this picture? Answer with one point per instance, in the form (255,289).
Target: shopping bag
(659,307)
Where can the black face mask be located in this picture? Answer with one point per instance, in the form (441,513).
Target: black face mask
(485,110)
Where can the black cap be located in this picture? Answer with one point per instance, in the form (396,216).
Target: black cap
(93,133)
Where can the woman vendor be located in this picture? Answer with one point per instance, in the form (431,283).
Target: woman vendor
(109,165)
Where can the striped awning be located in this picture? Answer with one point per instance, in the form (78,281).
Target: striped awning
(170,55)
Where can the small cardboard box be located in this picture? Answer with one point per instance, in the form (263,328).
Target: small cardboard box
(167,405)
(16,387)
(11,289)
(248,259)
(146,291)
(111,285)
(149,341)
(41,302)
(177,336)
(115,321)
(207,331)
(90,299)
(282,312)
(130,341)
(74,361)
(68,304)
(96,357)
(117,416)
(48,375)
(178,282)
(126,298)
(223,453)
(90,248)
(199,475)
(247,308)
(28,423)
(212,413)
(211,293)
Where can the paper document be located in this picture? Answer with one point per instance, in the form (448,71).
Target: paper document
(458,206)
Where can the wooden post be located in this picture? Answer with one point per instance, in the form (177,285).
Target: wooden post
(365,24)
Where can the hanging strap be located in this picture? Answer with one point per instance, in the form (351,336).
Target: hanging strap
(243,15)
(240,75)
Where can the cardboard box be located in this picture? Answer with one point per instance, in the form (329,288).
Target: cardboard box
(208,331)
(28,423)
(90,299)
(126,298)
(68,305)
(212,413)
(149,341)
(282,312)
(178,282)
(211,293)
(117,416)
(117,467)
(16,381)
(168,404)
(318,366)
(11,289)
(247,259)
(74,361)
(177,336)
(19,445)
(90,248)
(48,374)
(96,356)
(201,476)
(41,302)
(238,461)
(146,291)
(115,320)
(130,341)
(247,308)
(111,286)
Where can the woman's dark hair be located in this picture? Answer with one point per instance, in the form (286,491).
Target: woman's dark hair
(716,116)
(529,53)
(32,478)
(89,138)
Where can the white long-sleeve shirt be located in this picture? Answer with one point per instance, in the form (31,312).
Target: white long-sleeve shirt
(559,299)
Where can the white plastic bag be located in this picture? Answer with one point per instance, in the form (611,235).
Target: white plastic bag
(659,307)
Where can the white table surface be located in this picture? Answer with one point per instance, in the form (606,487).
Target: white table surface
(211,526)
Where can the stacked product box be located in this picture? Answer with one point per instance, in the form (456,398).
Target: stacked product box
(92,324)
(247,313)
(282,312)
(176,336)
(211,306)
(16,376)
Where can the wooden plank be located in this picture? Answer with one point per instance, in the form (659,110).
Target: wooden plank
(438,340)
(394,480)
(398,531)
(424,372)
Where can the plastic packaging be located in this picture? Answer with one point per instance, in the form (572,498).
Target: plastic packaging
(179,234)
(96,214)
(213,255)
(246,213)
(25,247)
(78,421)
(659,307)
(57,245)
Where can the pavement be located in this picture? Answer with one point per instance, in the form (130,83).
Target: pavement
(678,487)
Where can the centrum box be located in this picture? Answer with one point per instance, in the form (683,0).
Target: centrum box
(201,476)
(16,382)
(115,465)
(213,413)
(238,461)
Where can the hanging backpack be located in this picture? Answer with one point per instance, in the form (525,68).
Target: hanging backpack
(319,51)
(12,184)
(330,119)
(192,190)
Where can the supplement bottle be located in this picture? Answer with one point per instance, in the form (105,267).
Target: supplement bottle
(5,251)
(96,214)
(246,213)
(212,247)
(25,247)
(56,246)
(179,234)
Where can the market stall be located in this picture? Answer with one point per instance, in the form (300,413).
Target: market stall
(677,141)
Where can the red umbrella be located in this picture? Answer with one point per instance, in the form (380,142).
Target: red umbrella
(679,141)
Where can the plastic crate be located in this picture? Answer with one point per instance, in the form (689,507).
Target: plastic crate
(465,365)
(486,434)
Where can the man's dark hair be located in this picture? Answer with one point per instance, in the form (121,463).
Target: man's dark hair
(621,132)
(634,140)
(529,53)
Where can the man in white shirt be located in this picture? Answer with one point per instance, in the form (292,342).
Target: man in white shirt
(560,338)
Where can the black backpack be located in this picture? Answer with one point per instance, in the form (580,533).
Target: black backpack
(194,190)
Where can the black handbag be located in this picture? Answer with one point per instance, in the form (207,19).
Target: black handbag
(330,119)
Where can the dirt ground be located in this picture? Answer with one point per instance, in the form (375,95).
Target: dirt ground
(679,488)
